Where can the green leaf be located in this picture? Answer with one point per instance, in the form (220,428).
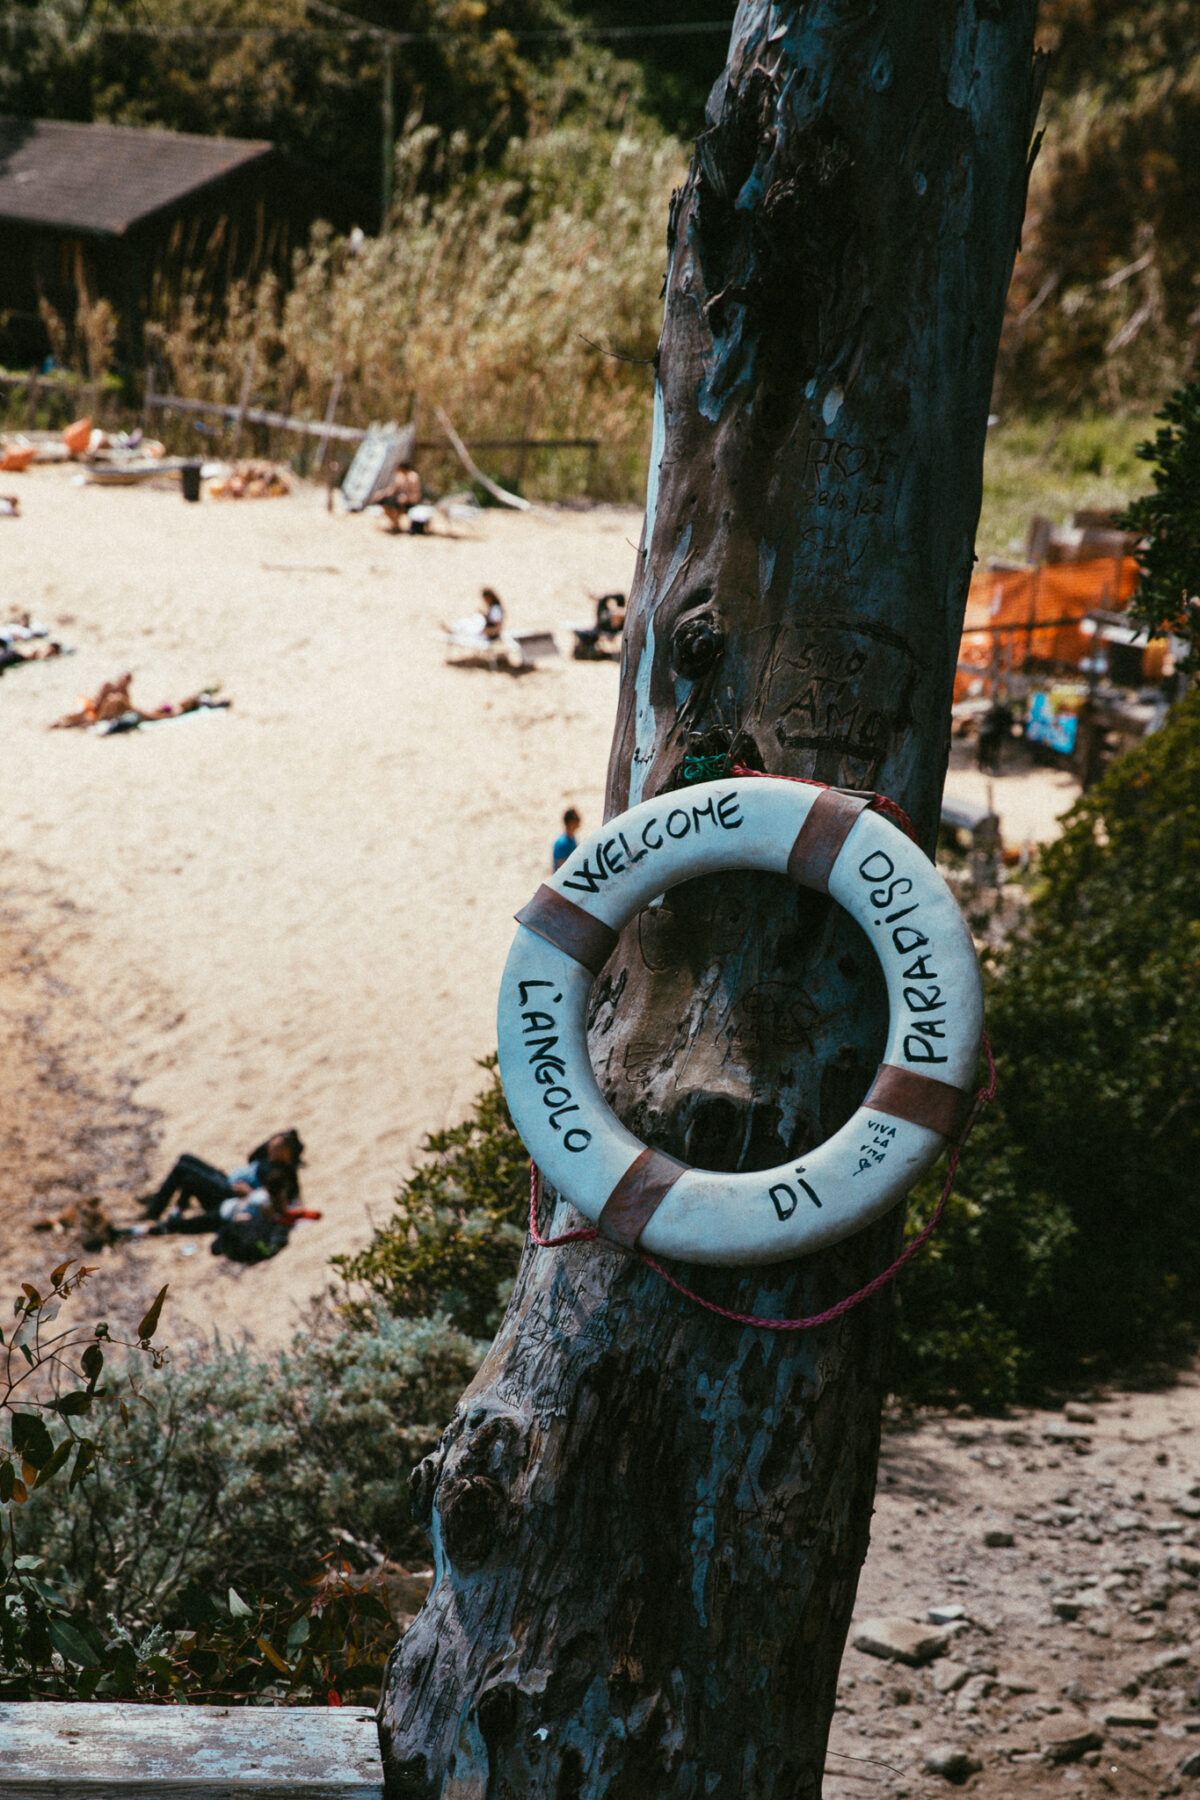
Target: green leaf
(237,1606)
(91,1362)
(68,1642)
(85,1456)
(87,1681)
(8,1476)
(31,1441)
(50,1469)
(71,1405)
(149,1322)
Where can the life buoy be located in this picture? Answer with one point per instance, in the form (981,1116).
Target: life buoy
(823,839)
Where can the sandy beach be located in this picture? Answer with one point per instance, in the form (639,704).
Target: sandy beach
(294,911)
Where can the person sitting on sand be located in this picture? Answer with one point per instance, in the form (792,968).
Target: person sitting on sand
(250,1225)
(610,613)
(401,496)
(192,1178)
(488,622)
(492,613)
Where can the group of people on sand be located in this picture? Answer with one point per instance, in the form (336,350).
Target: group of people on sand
(112,706)
(249,1210)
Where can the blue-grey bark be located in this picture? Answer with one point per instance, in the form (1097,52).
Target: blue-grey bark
(648,1523)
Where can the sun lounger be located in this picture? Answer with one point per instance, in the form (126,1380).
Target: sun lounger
(518,649)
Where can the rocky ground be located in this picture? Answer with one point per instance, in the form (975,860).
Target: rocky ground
(1028,1619)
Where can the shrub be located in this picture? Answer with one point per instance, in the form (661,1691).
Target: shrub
(239,1472)
(184,1541)
(1073,1242)
(1168,522)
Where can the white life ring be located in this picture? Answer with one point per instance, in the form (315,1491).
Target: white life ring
(824,839)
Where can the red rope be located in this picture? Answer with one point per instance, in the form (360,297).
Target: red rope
(985,1093)
(889,808)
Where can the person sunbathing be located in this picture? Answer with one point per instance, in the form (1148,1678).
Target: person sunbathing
(111,701)
(113,707)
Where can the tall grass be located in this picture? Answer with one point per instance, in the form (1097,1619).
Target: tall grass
(1055,464)
(498,298)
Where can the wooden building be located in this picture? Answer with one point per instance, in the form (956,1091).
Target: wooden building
(134,216)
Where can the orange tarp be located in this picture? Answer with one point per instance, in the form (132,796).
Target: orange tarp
(1014,614)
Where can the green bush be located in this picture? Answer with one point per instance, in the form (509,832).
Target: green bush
(186,1537)
(454,1239)
(1073,1242)
(236,1472)
(1168,523)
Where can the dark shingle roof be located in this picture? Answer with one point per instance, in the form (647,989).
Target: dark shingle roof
(105,178)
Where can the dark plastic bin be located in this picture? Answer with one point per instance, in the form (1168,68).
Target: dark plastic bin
(189,477)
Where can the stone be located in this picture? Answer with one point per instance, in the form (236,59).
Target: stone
(1017,1684)
(1170,1659)
(1069,1743)
(946,1615)
(949,1676)
(901,1640)
(1127,1521)
(1124,1716)
(999,1540)
(1066,1607)
(1191,1763)
(952,1764)
(1061,1433)
(1188,1507)
(1077,1414)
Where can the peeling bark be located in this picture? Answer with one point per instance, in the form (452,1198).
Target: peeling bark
(647,1523)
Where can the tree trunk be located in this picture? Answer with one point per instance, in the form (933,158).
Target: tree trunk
(648,1523)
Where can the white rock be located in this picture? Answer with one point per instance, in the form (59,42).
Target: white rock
(947,1614)
(1128,1713)
(951,1763)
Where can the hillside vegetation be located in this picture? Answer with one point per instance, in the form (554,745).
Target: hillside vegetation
(533,175)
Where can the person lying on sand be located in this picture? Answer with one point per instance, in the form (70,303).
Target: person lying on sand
(110,701)
(113,706)
(192,1178)
(10,656)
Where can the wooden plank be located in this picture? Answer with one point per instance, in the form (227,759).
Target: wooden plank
(50,1751)
(257,415)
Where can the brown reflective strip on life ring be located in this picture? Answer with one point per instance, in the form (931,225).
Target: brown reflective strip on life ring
(589,941)
(922,1100)
(637,1197)
(819,841)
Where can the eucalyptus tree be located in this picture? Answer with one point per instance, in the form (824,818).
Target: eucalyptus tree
(648,1522)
